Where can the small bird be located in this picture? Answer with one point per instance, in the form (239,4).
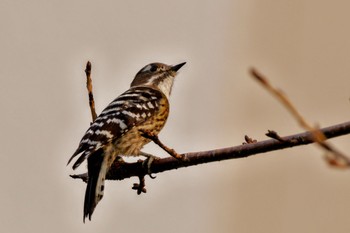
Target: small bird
(121,127)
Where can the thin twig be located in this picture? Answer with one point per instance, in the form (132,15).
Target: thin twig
(274,135)
(338,159)
(89,88)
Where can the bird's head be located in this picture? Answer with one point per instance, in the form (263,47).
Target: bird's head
(157,75)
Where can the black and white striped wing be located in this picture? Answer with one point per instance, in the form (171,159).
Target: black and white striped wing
(130,109)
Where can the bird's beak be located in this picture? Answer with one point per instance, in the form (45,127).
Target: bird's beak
(178,66)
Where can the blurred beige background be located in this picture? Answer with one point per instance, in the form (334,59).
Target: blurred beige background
(302,46)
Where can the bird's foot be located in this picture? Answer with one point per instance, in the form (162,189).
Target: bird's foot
(140,188)
(147,163)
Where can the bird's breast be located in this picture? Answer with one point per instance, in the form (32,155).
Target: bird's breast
(132,141)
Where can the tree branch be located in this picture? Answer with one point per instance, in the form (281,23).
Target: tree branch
(120,171)
(333,156)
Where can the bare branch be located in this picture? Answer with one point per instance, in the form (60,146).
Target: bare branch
(120,171)
(334,157)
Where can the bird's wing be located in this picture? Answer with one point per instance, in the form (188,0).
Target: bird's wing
(130,109)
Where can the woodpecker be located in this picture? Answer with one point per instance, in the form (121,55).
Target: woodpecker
(119,129)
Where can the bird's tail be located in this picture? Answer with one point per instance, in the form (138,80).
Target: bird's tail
(97,170)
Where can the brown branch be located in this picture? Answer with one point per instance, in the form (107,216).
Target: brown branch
(334,157)
(120,171)
(89,88)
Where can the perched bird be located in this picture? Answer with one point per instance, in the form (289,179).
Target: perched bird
(119,129)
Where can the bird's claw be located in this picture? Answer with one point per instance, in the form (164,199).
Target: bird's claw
(147,163)
(140,188)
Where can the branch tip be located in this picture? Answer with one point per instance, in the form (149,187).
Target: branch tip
(90,93)
(259,77)
(88,68)
(273,134)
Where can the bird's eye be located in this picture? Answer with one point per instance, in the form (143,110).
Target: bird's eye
(153,68)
